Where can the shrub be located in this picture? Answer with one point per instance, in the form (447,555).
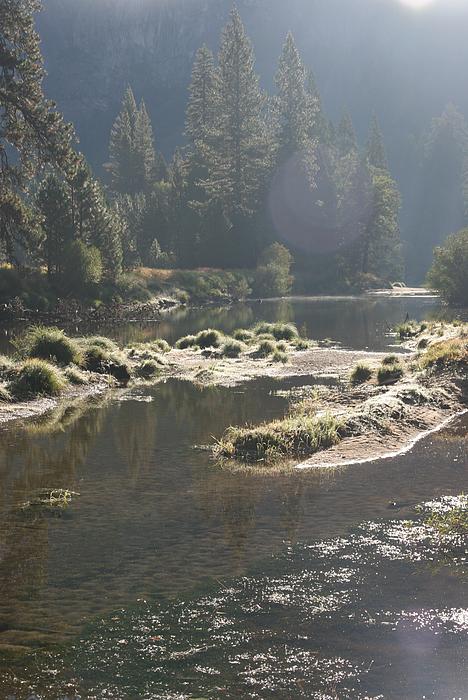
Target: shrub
(36,378)
(301,344)
(209,339)
(94,357)
(266,347)
(273,274)
(48,344)
(132,288)
(232,348)
(389,374)
(83,267)
(280,331)
(360,374)
(279,356)
(243,335)
(188,341)
(148,369)
(448,272)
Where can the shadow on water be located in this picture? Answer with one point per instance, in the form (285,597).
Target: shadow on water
(227,583)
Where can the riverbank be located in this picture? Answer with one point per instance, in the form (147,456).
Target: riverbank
(369,406)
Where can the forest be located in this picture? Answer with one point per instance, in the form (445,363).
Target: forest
(260,182)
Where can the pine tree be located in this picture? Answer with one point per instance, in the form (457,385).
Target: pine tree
(295,110)
(346,136)
(319,128)
(121,153)
(32,132)
(54,203)
(381,245)
(238,153)
(145,156)
(201,104)
(375,151)
(134,164)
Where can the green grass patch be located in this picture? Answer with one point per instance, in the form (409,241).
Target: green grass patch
(294,436)
(100,341)
(161,345)
(209,338)
(361,374)
(36,378)
(76,376)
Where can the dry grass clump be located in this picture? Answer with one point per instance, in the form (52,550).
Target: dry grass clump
(279,331)
(188,341)
(445,352)
(389,374)
(148,369)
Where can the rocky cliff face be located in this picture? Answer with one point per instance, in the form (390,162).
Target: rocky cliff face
(367,54)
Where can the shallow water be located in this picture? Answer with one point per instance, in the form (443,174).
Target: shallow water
(168,577)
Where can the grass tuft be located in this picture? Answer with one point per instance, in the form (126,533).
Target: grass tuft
(243,335)
(209,338)
(148,369)
(49,344)
(36,378)
(360,374)
(280,331)
(279,356)
(389,374)
(188,341)
(294,436)
(266,348)
(232,348)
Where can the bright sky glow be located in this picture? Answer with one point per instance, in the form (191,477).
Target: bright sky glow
(417,4)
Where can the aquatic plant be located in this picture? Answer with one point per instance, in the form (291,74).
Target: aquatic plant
(36,378)
(361,374)
(232,348)
(409,329)
(389,374)
(293,436)
(58,499)
(49,344)
(188,341)
(280,331)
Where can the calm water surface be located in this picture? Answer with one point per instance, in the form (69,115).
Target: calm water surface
(169,577)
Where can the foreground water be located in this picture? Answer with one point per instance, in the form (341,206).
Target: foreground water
(171,578)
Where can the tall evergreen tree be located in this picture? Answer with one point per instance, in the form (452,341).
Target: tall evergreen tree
(294,108)
(238,153)
(200,116)
(54,203)
(375,149)
(32,132)
(134,164)
(319,128)
(346,136)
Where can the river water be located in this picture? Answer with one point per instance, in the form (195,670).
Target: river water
(169,577)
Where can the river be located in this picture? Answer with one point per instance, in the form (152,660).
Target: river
(169,577)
